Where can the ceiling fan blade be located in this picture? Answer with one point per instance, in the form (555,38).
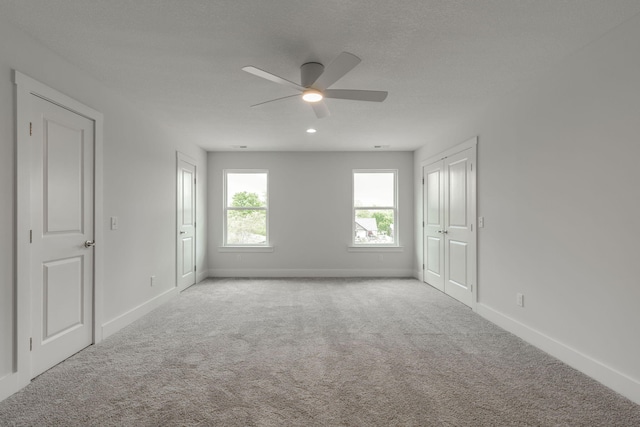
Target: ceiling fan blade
(272,77)
(336,70)
(321,109)
(356,95)
(273,100)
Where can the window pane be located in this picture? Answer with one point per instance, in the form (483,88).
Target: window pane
(373,189)
(374,226)
(246,227)
(247,189)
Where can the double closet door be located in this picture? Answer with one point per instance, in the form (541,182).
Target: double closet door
(449,230)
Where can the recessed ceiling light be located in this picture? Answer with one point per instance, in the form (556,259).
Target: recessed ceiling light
(312,95)
(241,147)
(311,130)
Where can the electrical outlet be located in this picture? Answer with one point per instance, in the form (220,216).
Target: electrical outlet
(520,300)
(114,222)
(480,222)
(153,280)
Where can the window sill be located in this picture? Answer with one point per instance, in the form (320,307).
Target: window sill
(246,249)
(376,248)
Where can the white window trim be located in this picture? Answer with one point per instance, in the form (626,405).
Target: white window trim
(393,247)
(245,248)
(266,247)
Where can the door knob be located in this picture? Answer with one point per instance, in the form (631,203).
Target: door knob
(183,232)
(89,243)
(445,231)
(440,231)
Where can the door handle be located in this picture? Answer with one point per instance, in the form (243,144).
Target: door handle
(89,243)
(183,232)
(439,231)
(445,231)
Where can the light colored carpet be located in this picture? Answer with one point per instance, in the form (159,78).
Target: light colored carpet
(315,352)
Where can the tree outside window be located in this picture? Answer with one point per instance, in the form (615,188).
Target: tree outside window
(374,207)
(246,208)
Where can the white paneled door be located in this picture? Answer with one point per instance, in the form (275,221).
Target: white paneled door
(186,230)
(62,233)
(449,237)
(433,225)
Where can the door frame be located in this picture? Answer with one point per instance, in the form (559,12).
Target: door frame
(187,159)
(25,88)
(472,144)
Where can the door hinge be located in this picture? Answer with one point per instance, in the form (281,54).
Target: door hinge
(471,288)
(470,166)
(30,128)
(422,181)
(422,224)
(194,267)
(30,236)
(30,344)
(423,266)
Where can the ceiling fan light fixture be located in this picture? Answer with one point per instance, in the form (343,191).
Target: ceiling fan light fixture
(312,95)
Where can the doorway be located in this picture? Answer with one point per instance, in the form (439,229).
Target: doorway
(449,231)
(59,199)
(186,221)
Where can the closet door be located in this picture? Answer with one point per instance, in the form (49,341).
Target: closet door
(449,237)
(434,225)
(458,231)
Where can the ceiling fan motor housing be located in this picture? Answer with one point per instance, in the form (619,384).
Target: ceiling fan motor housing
(310,72)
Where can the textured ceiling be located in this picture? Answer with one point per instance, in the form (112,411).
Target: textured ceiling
(181,60)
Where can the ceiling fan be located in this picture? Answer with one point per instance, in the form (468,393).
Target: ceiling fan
(315,80)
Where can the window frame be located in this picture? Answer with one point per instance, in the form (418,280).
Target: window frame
(394,208)
(226,209)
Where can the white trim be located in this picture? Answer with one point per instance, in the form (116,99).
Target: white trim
(184,158)
(246,248)
(470,143)
(202,275)
(8,385)
(294,272)
(394,208)
(379,248)
(225,172)
(610,377)
(27,86)
(125,319)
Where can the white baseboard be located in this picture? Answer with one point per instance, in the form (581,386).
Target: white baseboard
(8,385)
(202,276)
(294,272)
(114,325)
(615,380)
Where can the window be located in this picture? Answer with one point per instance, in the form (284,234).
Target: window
(246,212)
(375,207)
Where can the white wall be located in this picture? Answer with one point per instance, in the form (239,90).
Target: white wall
(139,188)
(310,215)
(559,188)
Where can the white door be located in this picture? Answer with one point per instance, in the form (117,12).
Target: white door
(458,216)
(186,230)
(434,225)
(449,212)
(62,227)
